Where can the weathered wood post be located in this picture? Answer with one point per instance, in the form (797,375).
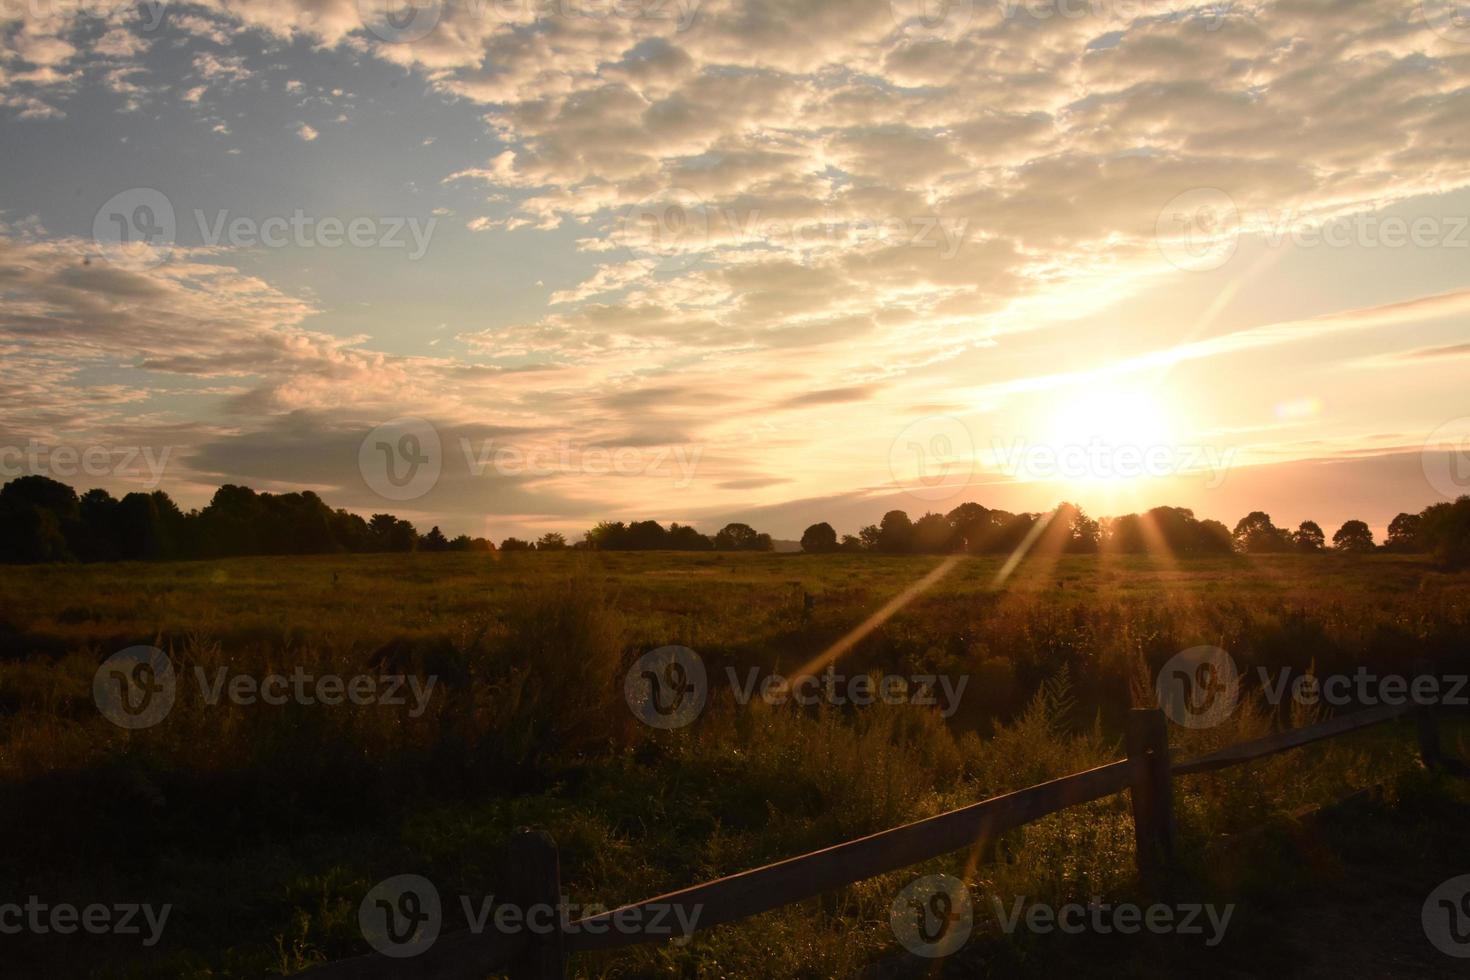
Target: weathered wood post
(1423,713)
(535,880)
(1152,791)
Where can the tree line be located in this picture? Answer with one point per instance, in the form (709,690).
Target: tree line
(44,520)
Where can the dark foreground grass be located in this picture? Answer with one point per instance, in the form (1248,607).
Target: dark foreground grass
(264,827)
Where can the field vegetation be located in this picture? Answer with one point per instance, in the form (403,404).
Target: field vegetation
(264,826)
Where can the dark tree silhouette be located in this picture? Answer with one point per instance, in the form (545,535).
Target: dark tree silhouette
(1405,533)
(895,533)
(1255,533)
(1353,537)
(1309,537)
(741,537)
(819,539)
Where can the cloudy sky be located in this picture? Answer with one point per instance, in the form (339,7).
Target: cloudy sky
(522,265)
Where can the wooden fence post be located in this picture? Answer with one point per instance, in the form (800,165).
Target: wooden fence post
(1424,722)
(1152,791)
(535,880)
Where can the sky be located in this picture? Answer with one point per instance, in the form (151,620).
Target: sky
(524,265)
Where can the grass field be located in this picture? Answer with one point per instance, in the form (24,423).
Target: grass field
(264,826)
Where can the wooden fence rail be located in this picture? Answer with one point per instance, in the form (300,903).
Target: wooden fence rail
(1147,773)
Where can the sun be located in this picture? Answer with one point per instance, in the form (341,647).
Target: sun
(1114,416)
(1108,437)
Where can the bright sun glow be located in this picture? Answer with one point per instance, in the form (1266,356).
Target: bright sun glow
(1113,416)
(1105,440)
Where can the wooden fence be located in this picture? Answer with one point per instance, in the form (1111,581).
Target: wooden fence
(1147,773)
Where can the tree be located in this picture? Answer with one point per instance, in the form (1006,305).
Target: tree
(971,524)
(39,520)
(741,537)
(1405,533)
(819,539)
(868,537)
(850,543)
(551,541)
(1255,533)
(434,540)
(1445,531)
(516,544)
(1309,537)
(1353,537)
(895,533)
